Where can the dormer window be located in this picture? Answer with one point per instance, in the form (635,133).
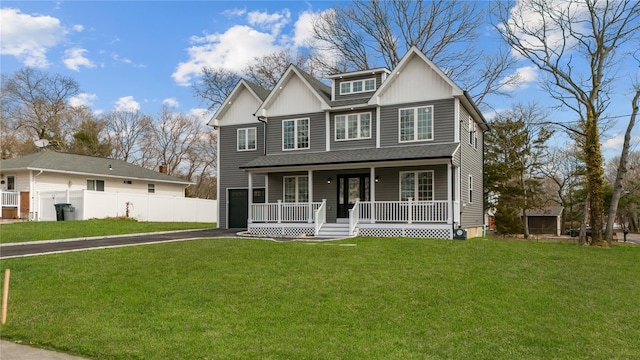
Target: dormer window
(357,86)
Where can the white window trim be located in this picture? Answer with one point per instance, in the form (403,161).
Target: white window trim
(297,191)
(295,134)
(470,193)
(149,185)
(473,133)
(415,124)
(359,137)
(246,139)
(415,185)
(351,91)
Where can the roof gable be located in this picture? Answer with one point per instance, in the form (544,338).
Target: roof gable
(296,93)
(59,162)
(415,78)
(244,96)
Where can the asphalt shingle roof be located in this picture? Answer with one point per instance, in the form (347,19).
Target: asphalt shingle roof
(81,164)
(430,151)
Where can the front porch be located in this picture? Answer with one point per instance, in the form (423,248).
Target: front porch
(427,219)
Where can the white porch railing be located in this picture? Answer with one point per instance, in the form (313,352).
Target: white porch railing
(408,212)
(405,211)
(354,217)
(284,212)
(10,198)
(320,216)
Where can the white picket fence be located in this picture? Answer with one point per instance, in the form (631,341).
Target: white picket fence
(97,205)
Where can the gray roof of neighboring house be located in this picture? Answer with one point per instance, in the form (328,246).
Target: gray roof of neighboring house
(430,151)
(545,211)
(80,164)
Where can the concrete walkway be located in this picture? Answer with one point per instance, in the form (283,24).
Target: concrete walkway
(13,351)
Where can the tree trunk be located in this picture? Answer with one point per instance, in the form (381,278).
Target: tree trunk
(622,170)
(582,237)
(595,176)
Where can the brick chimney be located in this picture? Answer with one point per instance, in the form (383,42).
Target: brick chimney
(163,168)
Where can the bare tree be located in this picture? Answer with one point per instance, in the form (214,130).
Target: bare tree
(36,102)
(565,169)
(175,136)
(576,44)
(265,71)
(126,129)
(366,34)
(622,168)
(215,85)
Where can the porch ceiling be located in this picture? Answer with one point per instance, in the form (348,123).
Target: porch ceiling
(399,153)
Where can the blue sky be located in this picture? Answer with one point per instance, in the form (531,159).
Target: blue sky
(143,54)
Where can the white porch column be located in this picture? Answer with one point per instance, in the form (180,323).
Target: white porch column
(310,176)
(250,198)
(372,197)
(449,194)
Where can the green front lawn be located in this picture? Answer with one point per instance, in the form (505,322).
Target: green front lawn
(362,298)
(51,230)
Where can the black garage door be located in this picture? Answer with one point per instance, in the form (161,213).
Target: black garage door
(239,206)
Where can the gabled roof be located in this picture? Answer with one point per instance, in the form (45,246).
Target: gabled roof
(66,163)
(413,52)
(320,90)
(398,153)
(256,90)
(457,92)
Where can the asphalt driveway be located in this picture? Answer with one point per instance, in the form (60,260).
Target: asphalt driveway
(33,248)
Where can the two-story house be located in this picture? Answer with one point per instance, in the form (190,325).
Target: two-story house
(378,153)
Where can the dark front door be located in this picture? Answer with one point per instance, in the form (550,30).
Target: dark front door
(239,206)
(350,188)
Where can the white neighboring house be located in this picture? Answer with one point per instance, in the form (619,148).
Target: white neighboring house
(96,188)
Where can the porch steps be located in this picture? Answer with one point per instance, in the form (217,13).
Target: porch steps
(337,230)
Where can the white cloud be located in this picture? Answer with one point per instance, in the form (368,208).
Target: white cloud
(303,28)
(78,28)
(171,102)
(616,142)
(522,77)
(234,12)
(525,15)
(271,22)
(74,59)
(232,50)
(83,99)
(29,37)
(127,103)
(202,114)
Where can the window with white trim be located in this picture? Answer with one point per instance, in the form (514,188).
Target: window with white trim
(353,126)
(417,185)
(470,188)
(416,124)
(95,185)
(473,133)
(296,188)
(151,188)
(295,134)
(357,86)
(247,139)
